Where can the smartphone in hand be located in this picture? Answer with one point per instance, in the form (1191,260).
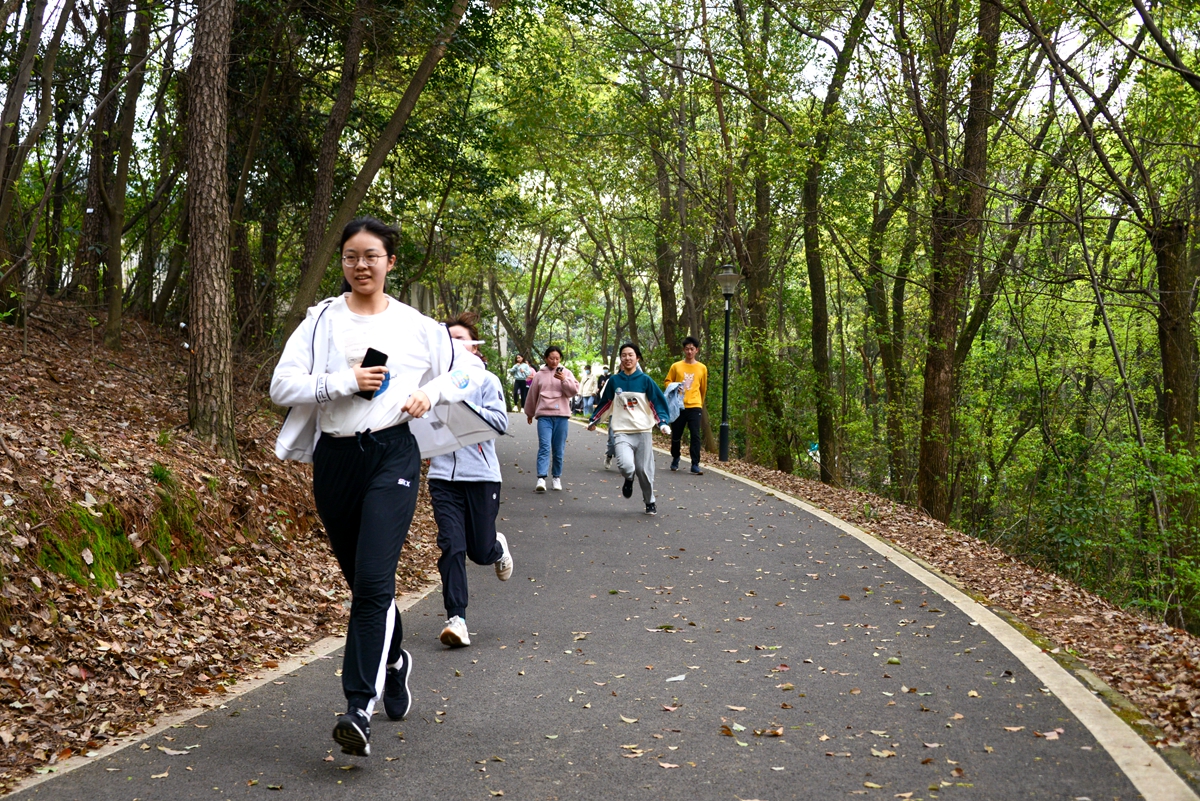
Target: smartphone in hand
(373,358)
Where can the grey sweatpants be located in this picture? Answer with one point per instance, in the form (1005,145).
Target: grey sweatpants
(635,457)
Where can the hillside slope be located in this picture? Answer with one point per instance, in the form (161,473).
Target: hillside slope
(140,573)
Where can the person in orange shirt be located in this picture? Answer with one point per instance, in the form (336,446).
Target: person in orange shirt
(694,377)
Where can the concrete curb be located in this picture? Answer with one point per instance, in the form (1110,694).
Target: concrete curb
(320,649)
(1111,718)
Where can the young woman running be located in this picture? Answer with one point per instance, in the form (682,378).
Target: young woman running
(464,487)
(366,463)
(549,402)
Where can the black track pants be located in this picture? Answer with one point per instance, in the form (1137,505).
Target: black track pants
(466,519)
(689,419)
(366,491)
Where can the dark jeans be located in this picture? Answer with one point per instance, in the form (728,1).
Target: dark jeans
(690,419)
(520,392)
(465,512)
(365,488)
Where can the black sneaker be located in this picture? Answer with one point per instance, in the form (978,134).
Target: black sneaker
(696,470)
(652,508)
(397,700)
(353,732)
(627,488)
(674,465)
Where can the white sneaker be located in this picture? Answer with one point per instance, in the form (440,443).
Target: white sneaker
(541,485)
(556,484)
(607,462)
(504,566)
(455,633)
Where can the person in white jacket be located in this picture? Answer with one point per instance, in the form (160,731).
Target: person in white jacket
(351,422)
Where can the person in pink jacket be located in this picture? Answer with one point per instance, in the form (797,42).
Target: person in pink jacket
(549,401)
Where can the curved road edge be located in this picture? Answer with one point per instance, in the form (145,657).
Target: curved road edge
(1154,778)
(322,648)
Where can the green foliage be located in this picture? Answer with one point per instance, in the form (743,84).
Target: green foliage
(173,526)
(82,536)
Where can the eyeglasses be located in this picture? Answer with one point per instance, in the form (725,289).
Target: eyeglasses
(371,259)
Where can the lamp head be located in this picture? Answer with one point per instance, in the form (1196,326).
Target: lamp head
(728,278)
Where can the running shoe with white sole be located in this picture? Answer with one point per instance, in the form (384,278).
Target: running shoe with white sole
(504,566)
(397,699)
(556,484)
(541,485)
(353,732)
(455,633)
(608,462)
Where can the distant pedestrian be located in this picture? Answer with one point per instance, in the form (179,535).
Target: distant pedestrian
(464,487)
(693,375)
(549,399)
(636,406)
(610,449)
(352,422)
(519,374)
(588,391)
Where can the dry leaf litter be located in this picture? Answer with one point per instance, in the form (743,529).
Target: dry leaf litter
(82,430)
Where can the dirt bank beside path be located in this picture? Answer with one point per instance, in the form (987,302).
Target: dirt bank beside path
(192,571)
(1152,664)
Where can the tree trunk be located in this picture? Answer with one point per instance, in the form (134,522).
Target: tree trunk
(210,373)
(114,194)
(94,237)
(242,267)
(309,283)
(31,35)
(956,220)
(664,256)
(176,258)
(318,214)
(885,334)
(811,199)
(268,249)
(1177,348)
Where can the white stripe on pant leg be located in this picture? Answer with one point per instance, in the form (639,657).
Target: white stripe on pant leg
(381,674)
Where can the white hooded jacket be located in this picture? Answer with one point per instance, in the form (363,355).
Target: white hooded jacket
(313,373)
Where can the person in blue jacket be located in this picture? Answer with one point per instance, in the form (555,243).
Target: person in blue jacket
(464,487)
(637,406)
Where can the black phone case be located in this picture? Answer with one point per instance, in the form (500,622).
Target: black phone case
(372,358)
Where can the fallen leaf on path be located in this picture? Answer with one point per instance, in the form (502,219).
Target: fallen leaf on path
(873,785)
(171,751)
(667,765)
(972,694)
(884,754)
(680,677)
(1013,728)
(736,708)
(628,720)
(162,775)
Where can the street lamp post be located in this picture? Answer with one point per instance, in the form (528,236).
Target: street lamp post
(728,278)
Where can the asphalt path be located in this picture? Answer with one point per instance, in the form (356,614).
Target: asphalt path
(731,647)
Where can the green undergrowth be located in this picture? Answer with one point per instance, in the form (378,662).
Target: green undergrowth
(90,545)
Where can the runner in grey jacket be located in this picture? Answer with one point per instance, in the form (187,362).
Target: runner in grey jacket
(465,489)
